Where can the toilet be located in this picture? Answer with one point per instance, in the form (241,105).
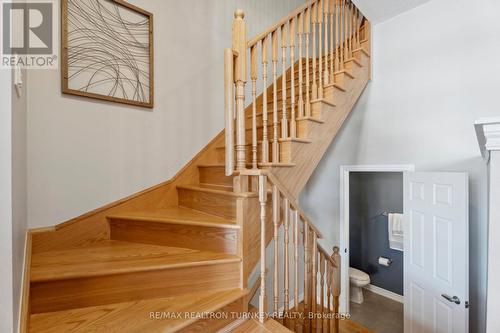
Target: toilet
(358,279)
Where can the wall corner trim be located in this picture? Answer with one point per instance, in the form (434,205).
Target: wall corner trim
(488,135)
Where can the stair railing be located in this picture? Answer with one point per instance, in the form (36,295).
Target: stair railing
(321,35)
(320,282)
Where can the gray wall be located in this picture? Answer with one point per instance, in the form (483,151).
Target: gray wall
(370,194)
(435,71)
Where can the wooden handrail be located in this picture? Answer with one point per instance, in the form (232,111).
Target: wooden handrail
(327,255)
(279,24)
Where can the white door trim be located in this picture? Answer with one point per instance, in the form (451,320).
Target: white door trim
(345,171)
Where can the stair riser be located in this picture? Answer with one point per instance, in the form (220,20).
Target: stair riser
(211,203)
(221,153)
(260,134)
(333,94)
(287,149)
(215,324)
(260,131)
(177,235)
(259,119)
(305,127)
(215,176)
(77,293)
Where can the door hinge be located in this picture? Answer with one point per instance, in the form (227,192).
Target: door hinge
(467,304)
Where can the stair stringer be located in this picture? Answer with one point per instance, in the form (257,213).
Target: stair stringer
(307,157)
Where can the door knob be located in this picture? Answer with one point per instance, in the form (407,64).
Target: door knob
(453,299)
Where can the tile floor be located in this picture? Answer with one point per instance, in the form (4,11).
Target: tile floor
(378,313)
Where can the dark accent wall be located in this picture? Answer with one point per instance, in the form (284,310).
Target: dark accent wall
(370,194)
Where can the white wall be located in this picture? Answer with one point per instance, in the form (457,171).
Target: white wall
(6,313)
(83,153)
(435,71)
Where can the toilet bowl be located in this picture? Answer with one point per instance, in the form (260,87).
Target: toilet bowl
(358,279)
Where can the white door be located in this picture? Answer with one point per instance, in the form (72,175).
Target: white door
(436,252)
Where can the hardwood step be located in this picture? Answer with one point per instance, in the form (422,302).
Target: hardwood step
(285,150)
(115,271)
(270,97)
(176,226)
(214,175)
(260,134)
(305,126)
(213,201)
(254,326)
(143,316)
(221,154)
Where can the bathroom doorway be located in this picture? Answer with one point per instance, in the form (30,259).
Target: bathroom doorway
(372,262)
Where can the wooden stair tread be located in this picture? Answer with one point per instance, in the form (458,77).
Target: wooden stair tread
(112,257)
(177,215)
(343,71)
(254,326)
(134,317)
(202,188)
(299,140)
(311,118)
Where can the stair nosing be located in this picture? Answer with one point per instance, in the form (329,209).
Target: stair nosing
(219,192)
(343,71)
(128,270)
(310,118)
(178,221)
(355,61)
(214,165)
(322,100)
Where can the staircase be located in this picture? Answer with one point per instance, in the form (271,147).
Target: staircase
(182,256)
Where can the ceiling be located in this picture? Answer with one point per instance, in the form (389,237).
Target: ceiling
(380,10)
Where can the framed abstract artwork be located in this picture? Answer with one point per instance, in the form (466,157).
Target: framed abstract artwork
(107,51)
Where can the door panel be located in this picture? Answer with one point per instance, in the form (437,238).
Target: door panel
(436,252)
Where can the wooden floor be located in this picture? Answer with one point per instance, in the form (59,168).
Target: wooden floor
(349,326)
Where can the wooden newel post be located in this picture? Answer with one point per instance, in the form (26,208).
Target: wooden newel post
(240,79)
(336,286)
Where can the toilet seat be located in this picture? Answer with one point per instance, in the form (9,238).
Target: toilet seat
(357,276)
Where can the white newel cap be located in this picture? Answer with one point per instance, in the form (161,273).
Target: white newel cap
(488,135)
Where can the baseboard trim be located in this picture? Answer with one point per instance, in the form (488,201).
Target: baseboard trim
(385,293)
(24,310)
